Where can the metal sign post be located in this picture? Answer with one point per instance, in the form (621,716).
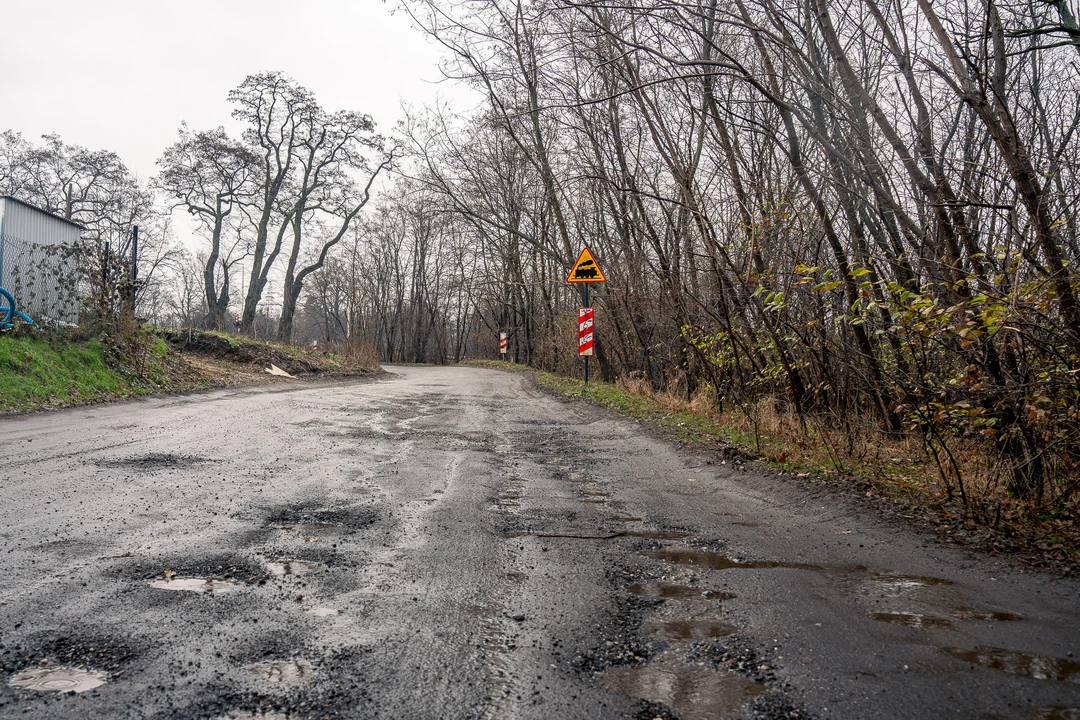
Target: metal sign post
(586,271)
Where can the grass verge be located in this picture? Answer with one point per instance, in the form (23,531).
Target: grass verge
(41,371)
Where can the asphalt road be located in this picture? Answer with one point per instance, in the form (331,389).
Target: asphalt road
(453,543)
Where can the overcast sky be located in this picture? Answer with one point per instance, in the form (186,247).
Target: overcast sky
(120,75)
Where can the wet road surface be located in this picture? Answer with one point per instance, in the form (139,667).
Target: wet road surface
(453,543)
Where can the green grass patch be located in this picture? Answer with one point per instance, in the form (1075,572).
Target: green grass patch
(50,370)
(35,371)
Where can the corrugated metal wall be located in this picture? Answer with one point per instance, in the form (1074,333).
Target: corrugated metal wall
(23,222)
(40,274)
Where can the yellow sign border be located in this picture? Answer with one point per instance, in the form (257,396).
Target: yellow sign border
(586,257)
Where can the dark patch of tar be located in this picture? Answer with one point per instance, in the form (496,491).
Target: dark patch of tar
(240,568)
(154,461)
(309,517)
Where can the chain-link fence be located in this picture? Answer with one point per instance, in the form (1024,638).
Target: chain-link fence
(43,279)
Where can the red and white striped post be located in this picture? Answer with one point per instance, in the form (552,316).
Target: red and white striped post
(585,332)
(504,344)
(585,271)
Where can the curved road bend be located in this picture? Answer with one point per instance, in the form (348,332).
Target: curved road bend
(450,543)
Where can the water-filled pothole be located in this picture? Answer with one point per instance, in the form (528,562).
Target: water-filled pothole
(676,592)
(59,679)
(911,619)
(885,584)
(696,692)
(293,567)
(624,517)
(966,613)
(595,500)
(752,524)
(656,534)
(1040,667)
(204,586)
(310,528)
(677,631)
(281,672)
(1055,713)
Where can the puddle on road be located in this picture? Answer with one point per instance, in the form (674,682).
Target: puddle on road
(324,612)
(672,591)
(910,619)
(310,528)
(676,631)
(293,567)
(751,524)
(696,692)
(281,672)
(966,613)
(205,586)
(716,561)
(1040,667)
(595,500)
(886,584)
(623,517)
(59,679)
(1055,713)
(656,534)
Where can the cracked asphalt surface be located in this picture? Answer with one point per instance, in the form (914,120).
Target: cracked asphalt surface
(454,543)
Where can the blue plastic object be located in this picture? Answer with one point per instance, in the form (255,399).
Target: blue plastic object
(9,311)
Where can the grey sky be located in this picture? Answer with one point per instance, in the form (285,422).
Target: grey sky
(121,75)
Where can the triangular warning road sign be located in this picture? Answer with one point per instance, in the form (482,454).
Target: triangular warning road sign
(586,270)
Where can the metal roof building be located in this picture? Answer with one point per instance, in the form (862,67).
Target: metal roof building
(36,261)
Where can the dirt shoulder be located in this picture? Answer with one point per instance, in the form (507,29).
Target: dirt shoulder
(234,361)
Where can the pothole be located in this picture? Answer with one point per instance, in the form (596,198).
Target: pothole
(672,591)
(154,461)
(910,619)
(293,567)
(696,692)
(657,534)
(676,631)
(751,524)
(59,679)
(1055,713)
(966,613)
(624,517)
(884,584)
(716,561)
(1040,667)
(204,586)
(281,672)
(594,500)
(324,612)
(310,528)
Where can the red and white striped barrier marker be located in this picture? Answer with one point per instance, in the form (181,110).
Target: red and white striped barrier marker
(504,344)
(585,332)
